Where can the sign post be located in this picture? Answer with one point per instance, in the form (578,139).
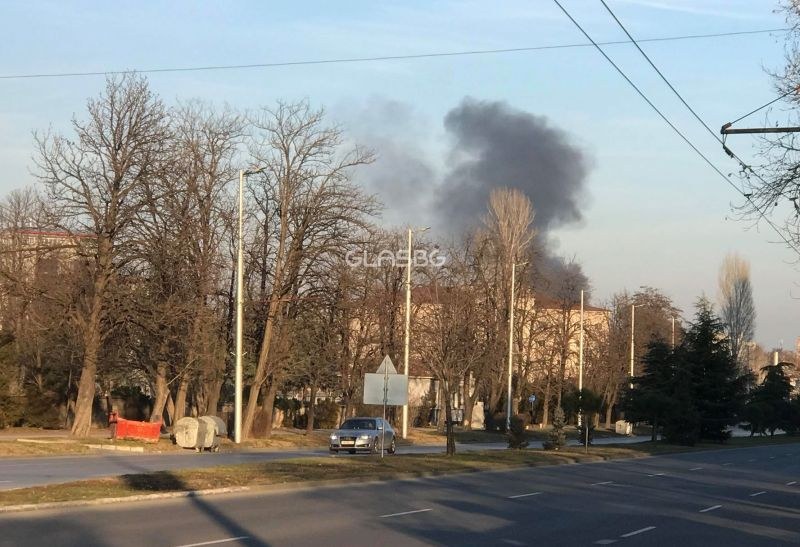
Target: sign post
(387,388)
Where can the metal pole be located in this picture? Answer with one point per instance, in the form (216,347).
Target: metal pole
(385,397)
(580,362)
(673,332)
(237,420)
(408,330)
(510,346)
(633,319)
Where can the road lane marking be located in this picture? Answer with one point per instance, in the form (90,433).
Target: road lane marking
(524,495)
(601,483)
(605,541)
(695,469)
(636,532)
(791,483)
(728,463)
(751,460)
(758,493)
(216,541)
(772,457)
(404,513)
(656,475)
(707,509)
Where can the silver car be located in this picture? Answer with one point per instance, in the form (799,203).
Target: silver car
(364,435)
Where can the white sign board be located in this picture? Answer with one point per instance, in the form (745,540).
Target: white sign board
(396,389)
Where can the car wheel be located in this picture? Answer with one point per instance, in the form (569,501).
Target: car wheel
(375,446)
(392,447)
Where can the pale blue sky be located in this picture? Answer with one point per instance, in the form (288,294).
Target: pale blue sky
(655,215)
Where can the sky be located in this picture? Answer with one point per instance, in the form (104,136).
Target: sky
(652,213)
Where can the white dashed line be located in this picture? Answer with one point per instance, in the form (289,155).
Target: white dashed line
(404,513)
(605,541)
(772,457)
(695,469)
(707,509)
(524,495)
(754,494)
(728,463)
(656,475)
(636,532)
(602,483)
(791,483)
(751,461)
(216,541)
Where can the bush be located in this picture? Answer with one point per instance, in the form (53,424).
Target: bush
(326,414)
(496,422)
(557,437)
(516,437)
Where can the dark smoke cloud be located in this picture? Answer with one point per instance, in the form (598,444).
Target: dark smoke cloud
(496,145)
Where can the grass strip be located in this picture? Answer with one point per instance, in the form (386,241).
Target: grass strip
(300,470)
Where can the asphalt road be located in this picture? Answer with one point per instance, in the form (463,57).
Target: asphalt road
(733,497)
(36,471)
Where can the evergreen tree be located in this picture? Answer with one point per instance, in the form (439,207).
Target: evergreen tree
(557,436)
(717,387)
(695,391)
(769,405)
(651,400)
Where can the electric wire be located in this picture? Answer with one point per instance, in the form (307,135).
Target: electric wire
(381,58)
(669,123)
(744,166)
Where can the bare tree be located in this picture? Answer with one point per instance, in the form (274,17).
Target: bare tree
(449,340)
(93,180)
(737,310)
(306,179)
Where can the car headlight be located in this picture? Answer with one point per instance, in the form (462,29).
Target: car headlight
(363,437)
(334,437)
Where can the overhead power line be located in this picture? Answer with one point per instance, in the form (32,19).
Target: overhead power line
(745,167)
(667,120)
(383,57)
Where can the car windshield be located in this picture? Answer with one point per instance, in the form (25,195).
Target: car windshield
(359,424)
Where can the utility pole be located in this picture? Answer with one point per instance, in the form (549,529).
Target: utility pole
(237,416)
(633,322)
(407,341)
(511,342)
(673,332)
(580,362)
(237,411)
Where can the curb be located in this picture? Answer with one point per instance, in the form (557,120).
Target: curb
(114,447)
(106,501)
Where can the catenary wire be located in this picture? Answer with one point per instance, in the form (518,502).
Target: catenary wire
(744,166)
(669,123)
(382,58)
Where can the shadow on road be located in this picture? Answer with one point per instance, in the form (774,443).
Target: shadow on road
(165,481)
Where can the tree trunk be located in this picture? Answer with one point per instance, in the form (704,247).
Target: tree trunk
(546,403)
(468,402)
(311,409)
(84,402)
(180,398)
(212,402)
(269,406)
(610,408)
(161,393)
(448,419)
(261,373)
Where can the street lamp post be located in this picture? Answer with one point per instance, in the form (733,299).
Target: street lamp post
(511,342)
(580,361)
(407,340)
(237,418)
